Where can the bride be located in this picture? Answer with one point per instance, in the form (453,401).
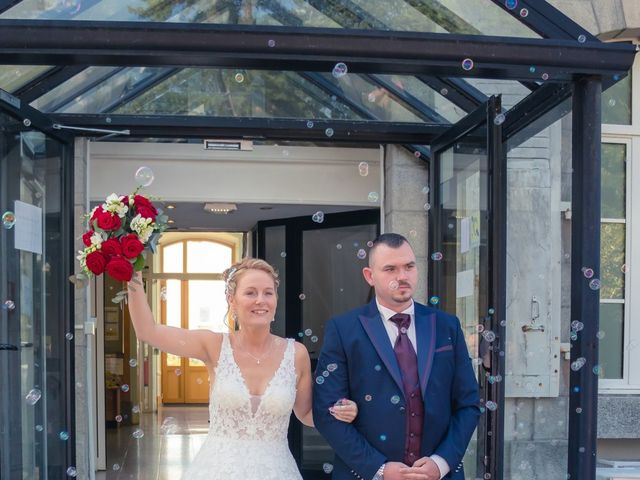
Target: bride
(257,379)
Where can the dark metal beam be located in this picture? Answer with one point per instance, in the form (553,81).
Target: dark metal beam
(287,48)
(532,108)
(47,82)
(545,19)
(30,117)
(182,126)
(585,299)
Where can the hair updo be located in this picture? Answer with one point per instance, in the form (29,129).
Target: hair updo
(235,271)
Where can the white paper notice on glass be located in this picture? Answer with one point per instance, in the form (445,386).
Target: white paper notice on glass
(465,232)
(464,284)
(28,227)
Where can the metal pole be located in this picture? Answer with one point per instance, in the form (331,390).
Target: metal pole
(585,297)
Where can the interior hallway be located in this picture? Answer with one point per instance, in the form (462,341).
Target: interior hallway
(163,453)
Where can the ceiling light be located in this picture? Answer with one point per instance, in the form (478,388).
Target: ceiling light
(170,221)
(228,145)
(171,207)
(220,208)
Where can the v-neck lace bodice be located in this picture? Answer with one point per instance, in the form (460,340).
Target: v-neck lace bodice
(248,433)
(232,414)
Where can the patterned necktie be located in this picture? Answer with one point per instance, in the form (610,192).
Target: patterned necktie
(405,353)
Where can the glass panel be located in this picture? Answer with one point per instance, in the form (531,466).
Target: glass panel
(462,290)
(76,85)
(428,96)
(512,92)
(34,368)
(614,180)
(331,283)
(110,92)
(538,314)
(173,303)
(208,257)
(275,253)
(616,103)
(370,96)
(229,92)
(612,343)
(207,305)
(173,308)
(12,77)
(612,260)
(172,261)
(455,16)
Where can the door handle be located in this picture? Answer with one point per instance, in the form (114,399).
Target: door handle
(7,346)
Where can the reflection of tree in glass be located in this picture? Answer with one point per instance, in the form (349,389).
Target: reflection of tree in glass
(612,249)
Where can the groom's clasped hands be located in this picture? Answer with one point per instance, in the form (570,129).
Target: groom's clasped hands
(422,469)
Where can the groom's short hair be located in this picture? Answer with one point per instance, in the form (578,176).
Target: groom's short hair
(391,240)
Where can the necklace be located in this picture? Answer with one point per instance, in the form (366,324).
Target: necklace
(265,355)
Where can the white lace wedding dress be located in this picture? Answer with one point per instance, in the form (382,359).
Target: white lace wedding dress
(247,437)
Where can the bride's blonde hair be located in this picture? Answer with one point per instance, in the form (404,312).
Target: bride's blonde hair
(232,274)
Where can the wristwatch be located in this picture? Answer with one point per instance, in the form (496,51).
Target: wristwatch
(380,473)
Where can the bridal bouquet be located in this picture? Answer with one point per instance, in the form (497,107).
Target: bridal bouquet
(119,233)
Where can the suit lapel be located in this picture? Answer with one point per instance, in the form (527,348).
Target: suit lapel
(372,323)
(426,339)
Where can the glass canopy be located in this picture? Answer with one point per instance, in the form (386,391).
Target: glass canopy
(480,17)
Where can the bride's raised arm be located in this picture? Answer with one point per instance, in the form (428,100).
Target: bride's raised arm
(177,341)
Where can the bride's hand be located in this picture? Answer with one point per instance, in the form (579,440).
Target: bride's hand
(344,410)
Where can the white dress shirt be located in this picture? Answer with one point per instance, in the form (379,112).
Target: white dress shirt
(392,331)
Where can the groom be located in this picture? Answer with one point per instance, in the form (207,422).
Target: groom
(407,367)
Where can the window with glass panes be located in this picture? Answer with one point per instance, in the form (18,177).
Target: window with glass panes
(619,334)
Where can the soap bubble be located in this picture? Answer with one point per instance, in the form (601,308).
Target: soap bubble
(373,197)
(587,272)
(340,70)
(144,176)
(133,363)
(64,435)
(169,426)
(329,132)
(368,398)
(363,168)
(135,409)
(239,77)
(178,372)
(72,472)
(320,380)
(69,336)
(8,305)
(467,64)
(332,367)
(493,406)
(500,118)
(116,467)
(33,396)
(138,433)
(489,336)
(434,300)
(309,124)
(393,285)
(314,339)
(582,38)
(395,399)
(511,4)
(524,13)
(327,468)
(271,43)
(318,217)
(578,364)
(118,418)
(377,368)
(436,256)
(199,381)
(8,220)
(545,76)
(362,254)
(39,428)
(595,284)
(302,296)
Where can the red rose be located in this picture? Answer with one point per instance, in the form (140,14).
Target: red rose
(86,238)
(148,212)
(144,207)
(120,269)
(109,221)
(111,247)
(96,212)
(96,262)
(131,245)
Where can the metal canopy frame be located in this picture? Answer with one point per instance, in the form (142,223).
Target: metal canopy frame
(573,62)
(38,42)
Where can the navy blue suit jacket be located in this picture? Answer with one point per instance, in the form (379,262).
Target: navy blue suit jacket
(368,373)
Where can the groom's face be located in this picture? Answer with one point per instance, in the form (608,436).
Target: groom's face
(393,274)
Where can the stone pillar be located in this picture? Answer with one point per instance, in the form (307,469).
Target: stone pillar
(405,177)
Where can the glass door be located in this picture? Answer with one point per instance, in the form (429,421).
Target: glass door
(320,265)
(465,274)
(36,331)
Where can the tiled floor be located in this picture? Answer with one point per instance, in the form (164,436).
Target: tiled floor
(162,453)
